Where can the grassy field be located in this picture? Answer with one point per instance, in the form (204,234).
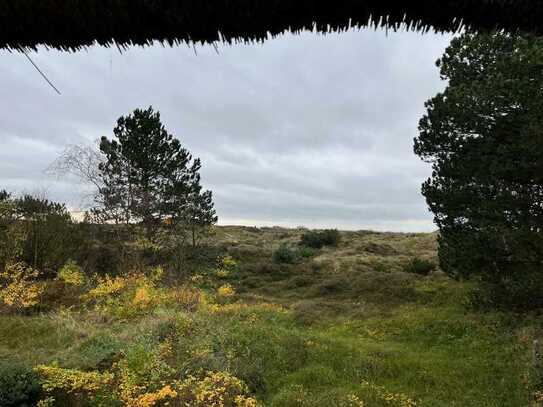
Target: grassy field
(341,326)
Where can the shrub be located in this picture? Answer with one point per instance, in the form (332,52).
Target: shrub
(226,291)
(312,239)
(95,353)
(142,372)
(284,254)
(330,237)
(227,262)
(19,385)
(318,239)
(50,235)
(306,252)
(73,387)
(419,266)
(125,297)
(71,274)
(519,292)
(226,265)
(184,297)
(216,389)
(19,289)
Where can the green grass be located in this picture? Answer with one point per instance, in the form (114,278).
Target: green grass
(339,317)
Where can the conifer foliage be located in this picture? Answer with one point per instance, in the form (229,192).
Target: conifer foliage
(150,179)
(483,136)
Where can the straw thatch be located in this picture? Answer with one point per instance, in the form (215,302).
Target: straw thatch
(72,24)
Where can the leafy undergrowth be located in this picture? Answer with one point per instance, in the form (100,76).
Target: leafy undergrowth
(346,326)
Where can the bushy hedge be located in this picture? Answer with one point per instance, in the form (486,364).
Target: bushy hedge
(284,254)
(420,266)
(319,239)
(19,385)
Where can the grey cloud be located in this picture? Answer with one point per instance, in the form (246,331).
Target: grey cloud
(305,129)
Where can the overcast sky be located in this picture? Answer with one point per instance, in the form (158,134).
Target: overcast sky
(301,130)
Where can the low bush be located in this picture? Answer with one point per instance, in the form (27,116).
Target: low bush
(419,266)
(19,385)
(71,274)
(306,252)
(73,387)
(284,254)
(19,287)
(96,352)
(132,295)
(319,239)
(520,292)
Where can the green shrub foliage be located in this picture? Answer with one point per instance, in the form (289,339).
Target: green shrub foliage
(319,239)
(483,136)
(284,254)
(419,266)
(19,385)
(37,231)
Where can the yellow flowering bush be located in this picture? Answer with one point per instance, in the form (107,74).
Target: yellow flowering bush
(71,274)
(225,266)
(226,291)
(73,385)
(142,372)
(228,262)
(106,287)
(126,296)
(142,297)
(151,399)
(216,389)
(71,380)
(19,287)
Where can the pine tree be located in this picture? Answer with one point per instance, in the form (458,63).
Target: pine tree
(149,178)
(483,136)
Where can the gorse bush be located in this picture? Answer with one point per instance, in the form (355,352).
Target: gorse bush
(19,385)
(319,239)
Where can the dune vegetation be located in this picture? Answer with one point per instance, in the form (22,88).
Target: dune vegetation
(146,302)
(257,318)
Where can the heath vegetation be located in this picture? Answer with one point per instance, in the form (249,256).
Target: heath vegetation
(147,302)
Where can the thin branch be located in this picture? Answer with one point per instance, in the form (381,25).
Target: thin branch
(39,70)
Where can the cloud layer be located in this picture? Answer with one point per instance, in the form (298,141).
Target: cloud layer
(301,130)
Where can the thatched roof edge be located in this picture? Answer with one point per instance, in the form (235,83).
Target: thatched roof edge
(73,24)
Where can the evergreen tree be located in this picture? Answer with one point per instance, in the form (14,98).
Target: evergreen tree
(483,136)
(148,177)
